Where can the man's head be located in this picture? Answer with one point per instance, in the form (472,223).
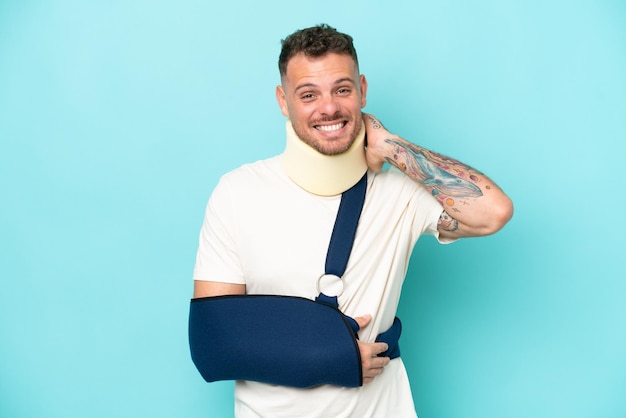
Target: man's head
(322,92)
(315,42)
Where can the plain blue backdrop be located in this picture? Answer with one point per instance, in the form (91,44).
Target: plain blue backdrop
(117,119)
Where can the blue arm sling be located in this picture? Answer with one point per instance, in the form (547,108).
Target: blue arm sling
(263,337)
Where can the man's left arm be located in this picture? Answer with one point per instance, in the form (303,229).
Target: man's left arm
(473,205)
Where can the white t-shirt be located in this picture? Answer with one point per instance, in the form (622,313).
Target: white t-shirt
(264,231)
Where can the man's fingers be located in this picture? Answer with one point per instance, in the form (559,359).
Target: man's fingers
(371,350)
(372,365)
(363,320)
(375,132)
(375,362)
(378,348)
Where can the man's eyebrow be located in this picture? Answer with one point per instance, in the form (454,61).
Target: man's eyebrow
(338,81)
(306,86)
(344,79)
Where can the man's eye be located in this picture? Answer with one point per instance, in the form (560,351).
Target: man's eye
(343,91)
(307,97)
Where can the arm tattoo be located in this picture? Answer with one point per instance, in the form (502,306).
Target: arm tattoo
(447,222)
(422,169)
(375,123)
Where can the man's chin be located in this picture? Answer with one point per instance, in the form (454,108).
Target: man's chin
(324,144)
(335,147)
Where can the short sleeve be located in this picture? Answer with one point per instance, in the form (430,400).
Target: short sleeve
(426,213)
(217,257)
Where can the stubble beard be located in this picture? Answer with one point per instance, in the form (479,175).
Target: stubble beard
(324,147)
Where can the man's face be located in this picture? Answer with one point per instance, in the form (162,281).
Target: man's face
(323,98)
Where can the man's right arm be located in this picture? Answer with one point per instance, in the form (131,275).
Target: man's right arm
(202,289)
(371,364)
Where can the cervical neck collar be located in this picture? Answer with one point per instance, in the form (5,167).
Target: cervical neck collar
(324,175)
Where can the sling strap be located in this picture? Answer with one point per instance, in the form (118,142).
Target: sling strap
(344,230)
(339,249)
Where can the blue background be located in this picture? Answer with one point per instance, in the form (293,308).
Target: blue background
(117,119)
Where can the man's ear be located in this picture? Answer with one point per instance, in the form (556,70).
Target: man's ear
(363,86)
(282,100)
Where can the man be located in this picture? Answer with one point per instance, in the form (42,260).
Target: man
(267,224)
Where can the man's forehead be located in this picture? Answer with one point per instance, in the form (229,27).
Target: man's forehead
(331,66)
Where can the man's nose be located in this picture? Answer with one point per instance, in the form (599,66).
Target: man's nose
(329,105)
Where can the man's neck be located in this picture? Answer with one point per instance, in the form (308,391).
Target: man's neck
(324,175)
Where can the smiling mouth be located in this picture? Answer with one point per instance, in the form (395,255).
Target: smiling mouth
(330,128)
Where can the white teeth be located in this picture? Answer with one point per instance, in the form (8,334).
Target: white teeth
(329,127)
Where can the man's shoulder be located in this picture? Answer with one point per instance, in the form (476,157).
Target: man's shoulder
(254,170)
(259,178)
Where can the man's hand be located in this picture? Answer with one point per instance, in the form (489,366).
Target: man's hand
(473,205)
(375,136)
(372,364)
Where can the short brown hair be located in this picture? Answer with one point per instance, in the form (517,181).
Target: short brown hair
(315,41)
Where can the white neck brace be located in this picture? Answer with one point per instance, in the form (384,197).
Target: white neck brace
(324,175)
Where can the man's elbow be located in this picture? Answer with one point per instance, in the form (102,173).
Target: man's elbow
(501,214)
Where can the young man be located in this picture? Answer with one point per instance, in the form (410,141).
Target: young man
(268,224)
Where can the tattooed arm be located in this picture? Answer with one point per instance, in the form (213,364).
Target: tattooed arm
(473,205)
